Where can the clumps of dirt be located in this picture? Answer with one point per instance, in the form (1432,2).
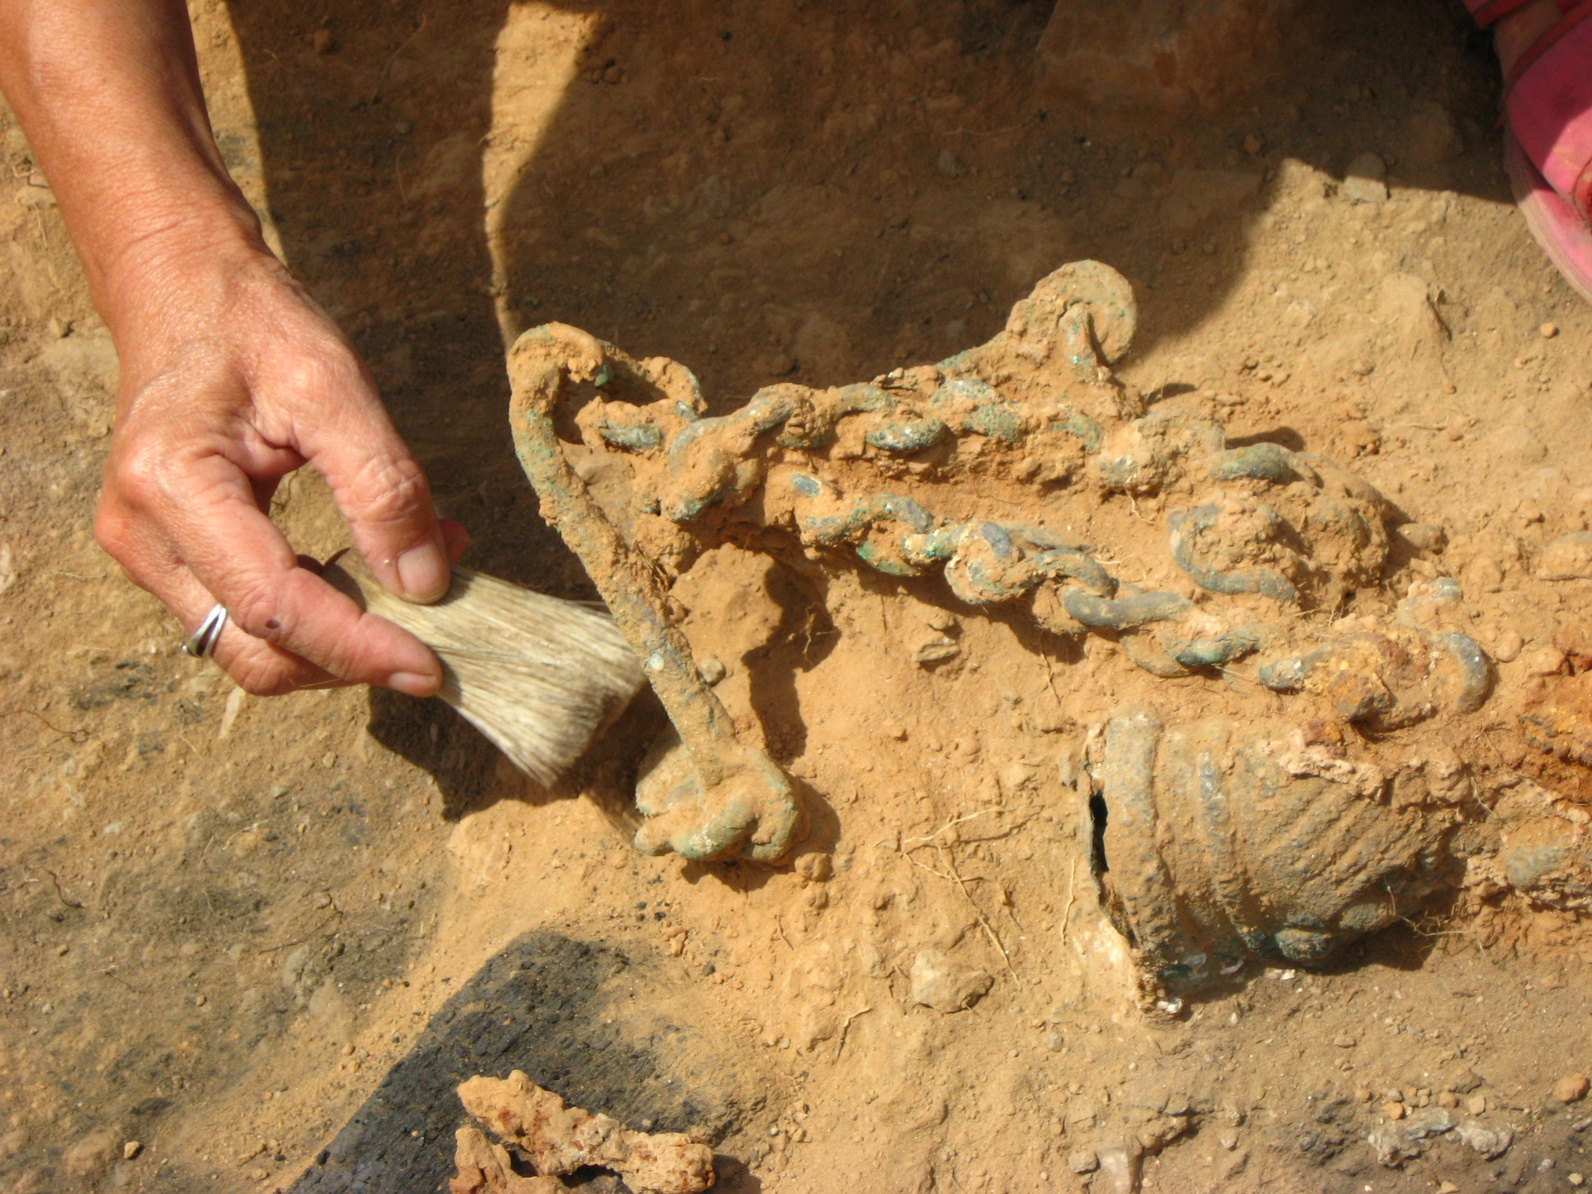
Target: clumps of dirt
(485,1168)
(559,1139)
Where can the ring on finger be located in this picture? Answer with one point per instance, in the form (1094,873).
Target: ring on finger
(202,642)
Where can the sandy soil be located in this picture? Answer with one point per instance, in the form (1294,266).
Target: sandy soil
(226,919)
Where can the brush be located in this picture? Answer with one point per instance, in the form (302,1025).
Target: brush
(537,675)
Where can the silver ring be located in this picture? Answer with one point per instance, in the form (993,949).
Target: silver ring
(203,641)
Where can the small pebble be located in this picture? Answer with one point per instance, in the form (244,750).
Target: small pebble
(131,1149)
(1549,330)
(1476,1104)
(1576,1179)
(1448,1099)
(1366,180)
(1507,646)
(711,668)
(1083,1161)
(1571,1089)
(1393,1110)
(1425,537)
(1362,1094)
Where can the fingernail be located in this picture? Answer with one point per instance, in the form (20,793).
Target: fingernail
(414,684)
(423,573)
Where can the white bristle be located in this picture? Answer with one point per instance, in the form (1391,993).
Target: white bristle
(537,675)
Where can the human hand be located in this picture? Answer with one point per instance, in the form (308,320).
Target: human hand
(231,378)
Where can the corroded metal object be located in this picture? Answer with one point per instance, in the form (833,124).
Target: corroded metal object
(1221,841)
(1336,806)
(732,799)
(1039,407)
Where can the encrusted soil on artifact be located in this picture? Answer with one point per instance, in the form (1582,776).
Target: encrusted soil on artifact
(254,945)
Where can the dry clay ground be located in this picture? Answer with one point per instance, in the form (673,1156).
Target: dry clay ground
(226,918)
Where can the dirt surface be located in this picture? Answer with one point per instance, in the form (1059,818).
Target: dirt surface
(227,919)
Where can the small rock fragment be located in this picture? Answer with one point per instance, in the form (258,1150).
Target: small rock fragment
(1393,1110)
(1507,647)
(131,1149)
(1489,1142)
(1394,1142)
(711,668)
(933,616)
(1476,1104)
(1084,1160)
(1542,661)
(1155,1135)
(1571,1089)
(1569,557)
(1121,1167)
(941,982)
(1425,537)
(1366,180)
(1549,330)
(937,649)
